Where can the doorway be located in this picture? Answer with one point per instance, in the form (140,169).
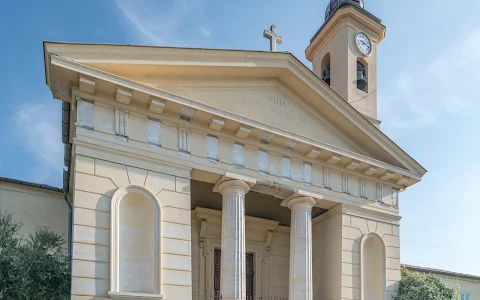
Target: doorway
(250,273)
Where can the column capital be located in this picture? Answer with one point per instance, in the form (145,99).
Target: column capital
(231,183)
(234,180)
(298,199)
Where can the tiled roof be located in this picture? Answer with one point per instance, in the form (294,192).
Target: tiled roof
(440,272)
(32,184)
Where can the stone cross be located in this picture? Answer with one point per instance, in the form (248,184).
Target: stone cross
(273,37)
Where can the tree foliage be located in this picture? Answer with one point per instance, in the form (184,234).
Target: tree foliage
(35,266)
(420,286)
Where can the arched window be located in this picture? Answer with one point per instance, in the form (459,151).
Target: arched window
(135,244)
(362,75)
(373,276)
(326,74)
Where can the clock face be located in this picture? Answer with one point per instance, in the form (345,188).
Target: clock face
(363,43)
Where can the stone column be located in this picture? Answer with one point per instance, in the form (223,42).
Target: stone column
(300,285)
(232,280)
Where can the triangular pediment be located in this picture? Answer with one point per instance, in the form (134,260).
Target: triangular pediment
(272,90)
(266,102)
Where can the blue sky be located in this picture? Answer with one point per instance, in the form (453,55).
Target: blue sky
(429,66)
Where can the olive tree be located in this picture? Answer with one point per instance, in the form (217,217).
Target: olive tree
(420,286)
(34,266)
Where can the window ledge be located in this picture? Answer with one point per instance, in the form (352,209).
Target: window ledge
(133,296)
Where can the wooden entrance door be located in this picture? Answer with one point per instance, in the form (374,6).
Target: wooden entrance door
(249,274)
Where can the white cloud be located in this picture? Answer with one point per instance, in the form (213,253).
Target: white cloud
(205,32)
(162,22)
(38,127)
(426,92)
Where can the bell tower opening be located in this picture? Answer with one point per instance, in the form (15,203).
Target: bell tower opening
(343,53)
(326,69)
(362,79)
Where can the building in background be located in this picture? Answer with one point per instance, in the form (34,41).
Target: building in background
(469,285)
(34,205)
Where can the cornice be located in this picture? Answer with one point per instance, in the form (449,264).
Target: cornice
(130,84)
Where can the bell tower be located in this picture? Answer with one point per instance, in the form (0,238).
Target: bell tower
(344,54)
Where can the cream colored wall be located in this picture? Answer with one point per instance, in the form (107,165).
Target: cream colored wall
(327,256)
(354,227)
(95,181)
(35,207)
(274,273)
(466,286)
(278,263)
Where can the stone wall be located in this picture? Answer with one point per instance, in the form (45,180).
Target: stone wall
(354,228)
(95,181)
(327,245)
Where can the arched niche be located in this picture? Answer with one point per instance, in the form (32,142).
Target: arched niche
(326,69)
(373,267)
(135,244)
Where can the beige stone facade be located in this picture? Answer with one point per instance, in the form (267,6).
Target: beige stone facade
(200,174)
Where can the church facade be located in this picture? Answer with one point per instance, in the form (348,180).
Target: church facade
(229,174)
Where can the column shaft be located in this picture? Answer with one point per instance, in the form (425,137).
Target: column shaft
(300,284)
(233,272)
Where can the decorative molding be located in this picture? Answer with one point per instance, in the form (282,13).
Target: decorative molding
(363,189)
(134,296)
(313,153)
(370,171)
(403,181)
(156,106)
(203,231)
(268,243)
(366,213)
(216,124)
(86,85)
(387,176)
(183,140)
(266,137)
(350,112)
(291,144)
(395,199)
(121,123)
(212,216)
(187,113)
(380,194)
(352,166)
(326,178)
(123,96)
(346,184)
(333,160)
(243,132)
(274,189)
